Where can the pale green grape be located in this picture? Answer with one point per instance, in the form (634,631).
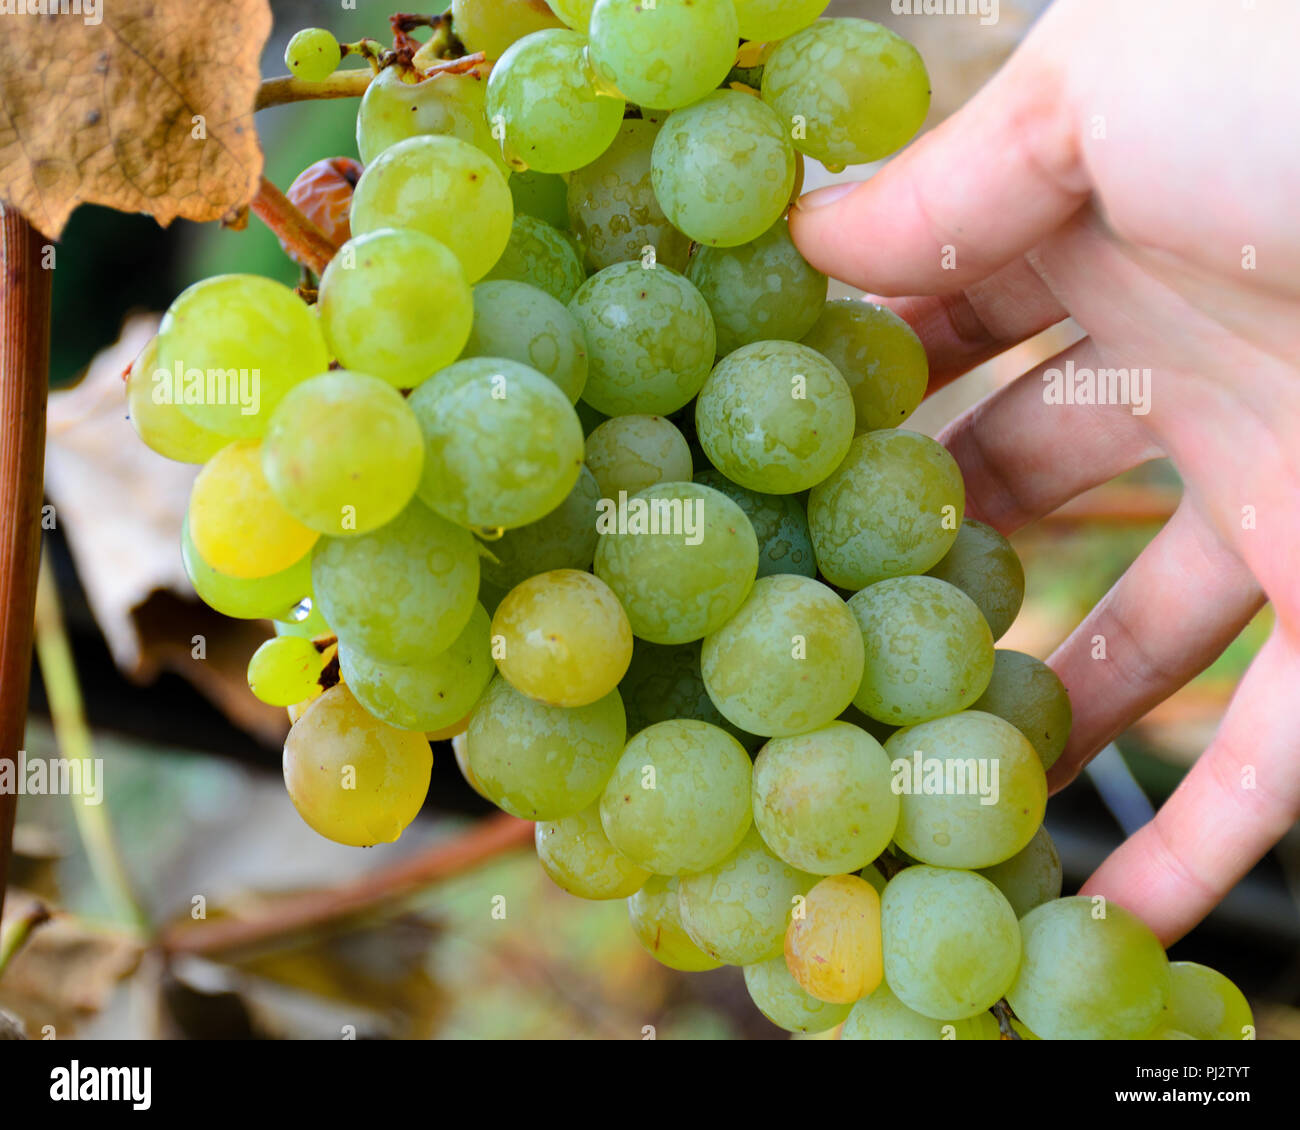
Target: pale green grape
(491,26)
(503,445)
(822,800)
(524,324)
(376,322)
(234,345)
(564,539)
(833,950)
(444,187)
(654,914)
(768,20)
(1030,695)
(882,1016)
(684,562)
(403,592)
(788,661)
(460,750)
(1089,971)
(544,196)
(778,996)
(763,290)
(1031,877)
(562,638)
(951,942)
(273,597)
(305,618)
(723,169)
(631,453)
(983,565)
(666,54)
(775,417)
(434,693)
(1206,1005)
(664,683)
(352,778)
(285,670)
(929,651)
(649,336)
(575,13)
(541,256)
(612,206)
(543,762)
(878,354)
(544,107)
(313,54)
(157,417)
(892,507)
(819,80)
(343,453)
(779,521)
(973,791)
(678,800)
(578,857)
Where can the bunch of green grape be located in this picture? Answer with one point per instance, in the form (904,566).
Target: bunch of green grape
(567,457)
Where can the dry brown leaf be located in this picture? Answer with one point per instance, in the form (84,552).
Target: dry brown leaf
(151,110)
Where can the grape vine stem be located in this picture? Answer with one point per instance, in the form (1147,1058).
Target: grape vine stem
(286,89)
(299,235)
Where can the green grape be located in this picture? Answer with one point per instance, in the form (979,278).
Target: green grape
(951,942)
(878,354)
(779,521)
(631,453)
(541,256)
(763,290)
(521,323)
(460,750)
(352,778)
(1166,1033)
(376,322)
(503,445)
(399,104)
(1031,877)
(258,598)
(983,565)
(833,950)
(237,524)
(656,922)
(443,187)
(543,762)
(343,453)
(929,651)
(723,169)
(1090,971)
(234,345)
(575,13)
(650,339)
(682,563)
(1206,1005)
(891,508)
(822,800)
(664,683)
(788,661)
(775,417)
(882,1016)
(544,196)
(564,539)
(678,800)
(819,79)
(544,108)
(666,54)
(769,20)
(612,207)
(313,54)
(432,694)
(778,996)
(1030,695)
(491,26)
(403,592)
(305,619)
(973,790)
(285,670)
(578,857)
(562,638)
(738,909)
(158,418)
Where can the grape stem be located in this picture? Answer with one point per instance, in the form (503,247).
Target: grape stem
(1002,1011)
(303,238)
(15,935)
(286,88)
(888,865)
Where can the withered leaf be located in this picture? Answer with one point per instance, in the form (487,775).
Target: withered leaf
(150,110)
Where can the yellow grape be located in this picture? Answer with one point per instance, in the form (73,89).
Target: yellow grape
(833,948)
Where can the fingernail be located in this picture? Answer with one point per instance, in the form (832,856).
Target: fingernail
(823,196)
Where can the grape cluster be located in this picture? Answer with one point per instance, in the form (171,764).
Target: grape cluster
(573,462)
